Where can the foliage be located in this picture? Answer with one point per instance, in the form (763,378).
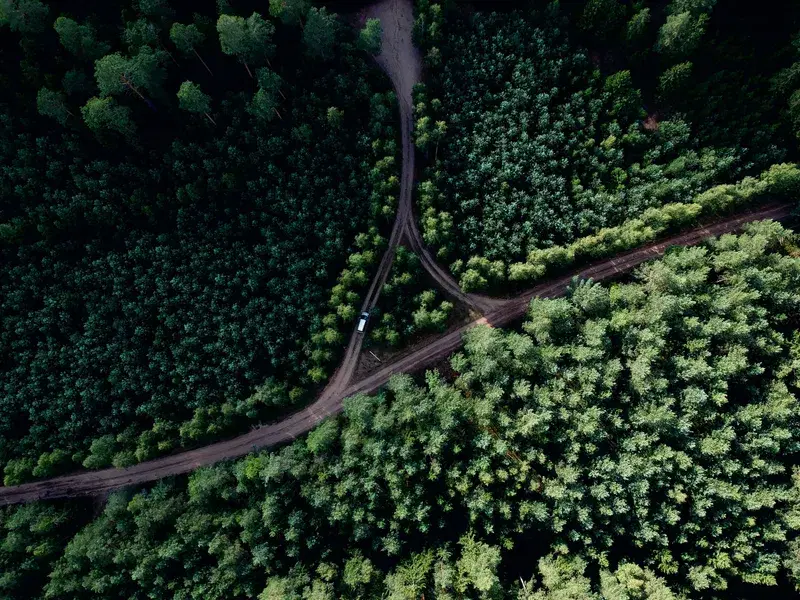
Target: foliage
(536,148)
(31,538)
(247,39)
(79,39)
(779,182)
(52,104)
(369,39)
(104,114)
(319,33)
(405,308)
(635,441)
(159,276)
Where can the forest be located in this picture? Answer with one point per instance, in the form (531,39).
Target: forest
(181,185)
(195,197)
(637,440)
(547,124)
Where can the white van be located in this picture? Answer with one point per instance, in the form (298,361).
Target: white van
(362,322)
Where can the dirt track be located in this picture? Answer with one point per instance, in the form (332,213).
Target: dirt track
(401,61)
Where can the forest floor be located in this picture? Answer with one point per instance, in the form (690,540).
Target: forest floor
(402,63)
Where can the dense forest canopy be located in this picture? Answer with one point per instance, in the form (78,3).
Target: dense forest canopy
(547,123)
(631,441)
(180,185)
(193,196)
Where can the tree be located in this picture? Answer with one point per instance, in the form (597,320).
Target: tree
(247,39)
(674,80)
(192,99)
(23,16)
(369,38)
(681,34)
(265,101)
(335,117)
(631,582)
(637,25)
(116,73)
(79,39)
(289,11)
(626,99)
(104,114)
(319,33)
(53,104)
(602,17)
(186,39)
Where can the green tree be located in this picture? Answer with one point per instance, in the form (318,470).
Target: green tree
(186,39)
(23,16)
(192,99)
(674,81)
(265,101)
(369,38)
(289,11)
(602,17)
(104,114)
(80,40)
(681,34)
(53,104)
(116,73)
(247,39)
(319,33)
(626,99)
(637,26)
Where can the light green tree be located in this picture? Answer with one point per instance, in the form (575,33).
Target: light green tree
(681,34)
(369,38)
(192,99)
(104,114)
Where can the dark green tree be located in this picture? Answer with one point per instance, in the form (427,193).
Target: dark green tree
(80,40)
(247,39)
(23,16)
(186,39)
(53,104)
(319,33)
(289,11)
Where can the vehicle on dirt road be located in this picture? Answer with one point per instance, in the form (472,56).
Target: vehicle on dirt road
(362,322)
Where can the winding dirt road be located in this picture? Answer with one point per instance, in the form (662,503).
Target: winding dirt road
(401,61)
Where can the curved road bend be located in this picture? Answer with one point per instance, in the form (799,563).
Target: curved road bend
(330,402)
(396,51)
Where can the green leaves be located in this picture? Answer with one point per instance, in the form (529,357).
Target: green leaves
(247,39)
(104,114)
(79,39)
(53,104)
(319,33)
(116,73)
(369,38)
(192,99)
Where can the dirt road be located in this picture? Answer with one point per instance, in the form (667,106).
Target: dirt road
(330,402)
(401,60)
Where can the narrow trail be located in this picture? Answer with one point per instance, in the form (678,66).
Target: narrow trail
(401,61)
